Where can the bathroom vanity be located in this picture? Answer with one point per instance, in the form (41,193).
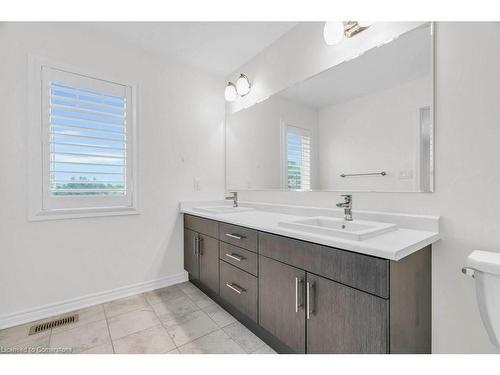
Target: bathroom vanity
(313,292)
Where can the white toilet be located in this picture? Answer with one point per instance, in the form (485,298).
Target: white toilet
(484,267)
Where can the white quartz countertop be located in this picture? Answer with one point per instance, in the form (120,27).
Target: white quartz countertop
(414,231)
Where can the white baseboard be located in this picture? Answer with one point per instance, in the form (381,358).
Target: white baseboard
(31,315)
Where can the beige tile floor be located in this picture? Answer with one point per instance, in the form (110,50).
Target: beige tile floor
(179,319)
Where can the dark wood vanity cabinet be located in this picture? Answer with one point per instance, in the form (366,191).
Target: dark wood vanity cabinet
(282,302)
(302,297)
(201,254)
(208,255)
(355,321)
(240,289)
(191,262)
(337,318)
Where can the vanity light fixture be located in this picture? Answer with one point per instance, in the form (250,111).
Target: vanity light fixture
(230,92)
(365,24)
(241,88)
(243,85)
(335,32)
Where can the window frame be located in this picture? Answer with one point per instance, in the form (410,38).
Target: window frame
(73,206)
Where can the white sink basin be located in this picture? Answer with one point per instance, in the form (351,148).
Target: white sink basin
(222,209)
(352,230)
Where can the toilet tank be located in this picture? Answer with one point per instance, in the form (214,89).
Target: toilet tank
(486,267)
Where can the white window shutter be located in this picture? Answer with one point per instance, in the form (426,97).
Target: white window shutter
(87,141)
(298,154)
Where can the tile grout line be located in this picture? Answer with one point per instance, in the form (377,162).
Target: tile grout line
(161,323)
(150,305)
(248,352)
(177,347)
(199,309)
(220,328)
(218,306)
(49,318)
(106,318)
(126,312)
(109,331)
(154,312)
(50,339)
(133,333)
(206,334)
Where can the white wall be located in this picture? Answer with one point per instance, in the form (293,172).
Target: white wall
(372,133)
(302,53)
(467,176)
(254,142)
(181,132)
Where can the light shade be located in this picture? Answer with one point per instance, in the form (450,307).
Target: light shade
(230,92)
(243,85)
(365,23)
(333,32)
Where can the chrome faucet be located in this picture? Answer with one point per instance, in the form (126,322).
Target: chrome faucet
(347,206)
(234,198)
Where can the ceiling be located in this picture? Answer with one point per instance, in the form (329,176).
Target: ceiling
(404,59)
(216,47)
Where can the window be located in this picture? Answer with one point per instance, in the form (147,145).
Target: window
(87,143)
(298,157)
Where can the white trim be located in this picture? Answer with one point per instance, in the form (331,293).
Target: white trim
(49,310)
(35,157)
(82,213)
(283,156)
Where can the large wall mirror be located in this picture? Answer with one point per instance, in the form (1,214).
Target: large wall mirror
(363,125)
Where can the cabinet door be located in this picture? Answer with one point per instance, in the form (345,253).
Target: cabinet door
(281,302)
(191,253)
(341,319)
(209,262)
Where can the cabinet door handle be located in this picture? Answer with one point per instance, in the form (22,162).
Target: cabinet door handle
(235,236)
(237,257)
(238,289)
(297,302)
(309,308)
(200,242)
(195,245)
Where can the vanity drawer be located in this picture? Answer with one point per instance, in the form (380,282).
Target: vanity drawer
(363,272)
(238,236)
(239,288)
(238,257)
(201,225)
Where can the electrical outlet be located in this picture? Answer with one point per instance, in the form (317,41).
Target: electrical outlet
(405,174)
(196,184)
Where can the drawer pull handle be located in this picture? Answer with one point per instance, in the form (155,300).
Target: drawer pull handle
(238,289)
(237,257)
(235,236)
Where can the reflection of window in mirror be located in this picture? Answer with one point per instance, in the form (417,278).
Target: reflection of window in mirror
(298,158)
(425,148)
